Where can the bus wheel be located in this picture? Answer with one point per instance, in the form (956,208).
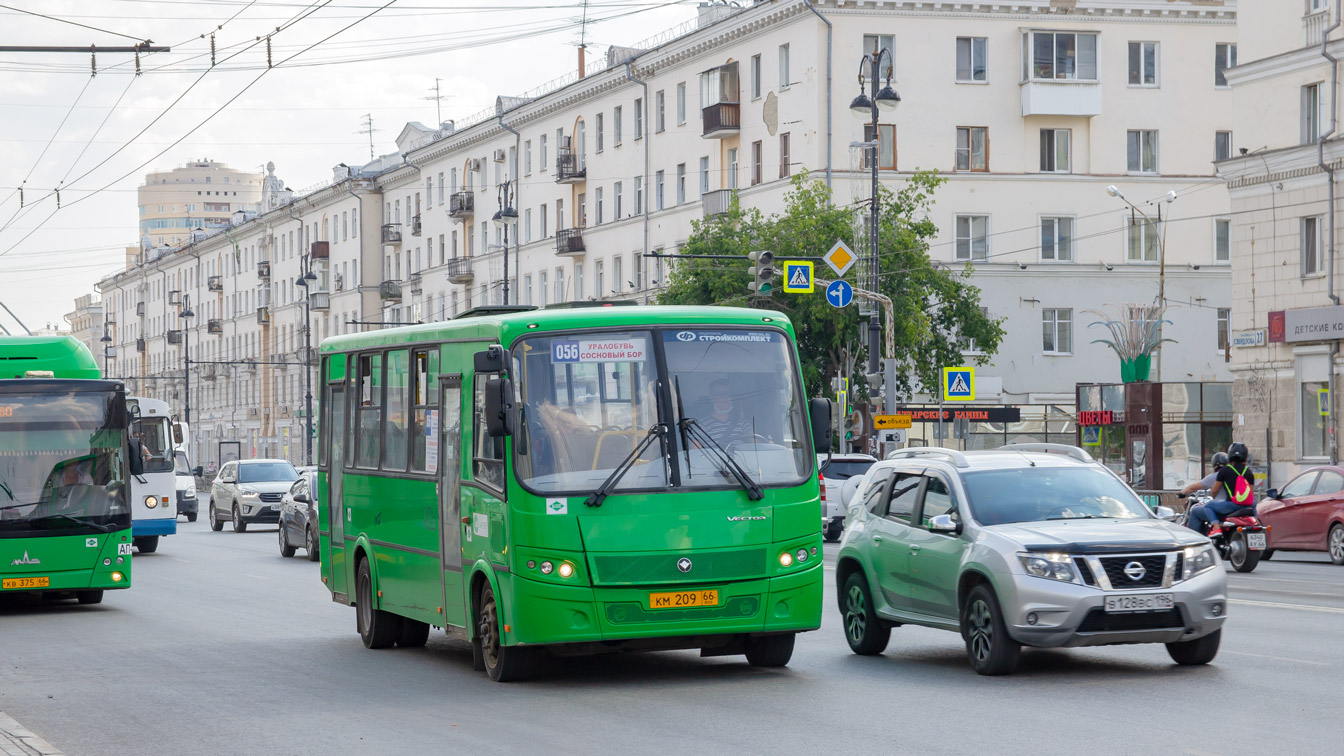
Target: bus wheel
(215,524)
(414,633)
(503,663)
(770,651)
(147,544)
(377,628)
(89,597)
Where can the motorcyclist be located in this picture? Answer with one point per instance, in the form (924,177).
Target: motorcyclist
(1206,483)
(1226,485)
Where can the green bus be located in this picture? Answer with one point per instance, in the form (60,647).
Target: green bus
(581,478)
(65,519)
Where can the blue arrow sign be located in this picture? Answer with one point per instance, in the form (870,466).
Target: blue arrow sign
(839,294)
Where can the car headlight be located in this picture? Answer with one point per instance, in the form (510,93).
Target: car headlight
(191,493)
(1197,559)
(249,494)
(1051,566)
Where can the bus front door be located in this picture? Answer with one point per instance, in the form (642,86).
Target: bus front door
(450,502)
(336,564)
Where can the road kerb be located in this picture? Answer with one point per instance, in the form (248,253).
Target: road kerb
(15,740)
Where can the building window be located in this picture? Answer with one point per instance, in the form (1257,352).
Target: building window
(972,148)
(681,103)
(785,157)
(616,125)
(755,81)
(599,130)
(658,189)
(1143,64)
(1311,113)
(541,144)
(681,183)
(581,207)
(1315,419)
(639,118)
(704,175)
(972,237)
(559,284)
(598,202)
(1056,147)
(1141,151)
(886,146)
(1057,239)
(559,215)
(527,289)
(599,280)
(1060,56)
(1141,240)
(658,123)
(527,225)
(1311,246)
(971,55)
(542,284)
(1224,318)
(617,279)
(527,158)
(639,195)
(544,230)
(1224,57)
(440,188)
(578,281)
(1222,240)
(885,42)
(732,168)
(1057,336)
(1222,145)
(784,79)
(755,163)
(616,201)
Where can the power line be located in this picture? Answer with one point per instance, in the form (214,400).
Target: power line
(73,23)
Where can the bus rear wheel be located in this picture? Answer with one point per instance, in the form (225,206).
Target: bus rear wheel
(377,628)
(503,663)
(89,597)
(147,544)
(770,651)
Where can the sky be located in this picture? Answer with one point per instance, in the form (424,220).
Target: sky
(95,137)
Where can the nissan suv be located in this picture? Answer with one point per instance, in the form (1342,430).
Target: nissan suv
(249,491)
(1027,545)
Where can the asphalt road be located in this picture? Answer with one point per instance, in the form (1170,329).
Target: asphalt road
(224,647)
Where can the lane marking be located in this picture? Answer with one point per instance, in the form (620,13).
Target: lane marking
(1277,605)
(1258,579)
(1279,658)
(258,577)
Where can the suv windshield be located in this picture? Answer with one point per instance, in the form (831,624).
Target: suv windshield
(61,464)
(265,472)
(589,399)
(1034,494)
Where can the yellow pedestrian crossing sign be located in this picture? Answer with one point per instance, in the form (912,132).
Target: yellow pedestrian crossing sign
(798,277)
(959,384)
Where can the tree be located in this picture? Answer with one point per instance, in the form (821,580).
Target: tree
(937,310)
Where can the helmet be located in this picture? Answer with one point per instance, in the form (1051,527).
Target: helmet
(1237,452)
(1219,459)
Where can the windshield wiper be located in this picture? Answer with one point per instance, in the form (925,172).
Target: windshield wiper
(689,427)
(1079,517)
(596,498)
(77,521)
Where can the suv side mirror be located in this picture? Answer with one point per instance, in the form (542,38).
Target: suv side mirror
(1272,493)
(944,524)
(1165,513)
(498,406)
(137,462)
(819,409)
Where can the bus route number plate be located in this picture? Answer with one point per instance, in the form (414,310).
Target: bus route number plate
(32,582)
(683,599)
(564,351)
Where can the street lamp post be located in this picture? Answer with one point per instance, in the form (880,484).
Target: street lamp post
(305,281)
(866,107)
(505,216)
(186,315)
(107,346)
(1170,197)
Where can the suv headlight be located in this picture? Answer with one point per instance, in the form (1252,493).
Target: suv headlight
(1197,559)
(249,494)
(1050,566)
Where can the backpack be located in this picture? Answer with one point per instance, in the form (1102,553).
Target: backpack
(1242,493)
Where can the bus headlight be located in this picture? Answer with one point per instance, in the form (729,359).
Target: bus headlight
(786,559)
(566,569)
(546,568)
(151,501)
(117,577)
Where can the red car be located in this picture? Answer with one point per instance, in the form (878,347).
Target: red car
(1307,514)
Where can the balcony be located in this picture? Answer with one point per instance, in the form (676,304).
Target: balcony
(140,309)
(569,241)
(1064,97)
(206,372)
(721,120)
(175,337)
(1313,26)
(569,167)
(319,300)
(320,250)
(391,233)
(263,315)
(174,297)
(459,271)
(389,291)
(414,280)
(717,202)
(214,326)
(264,269)
(461,204)
(140,345)
(214,283)
(415,226)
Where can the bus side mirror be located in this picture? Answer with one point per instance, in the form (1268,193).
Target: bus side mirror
(491,360)
(820,410)
(177,433)
(137,462)
(498,406)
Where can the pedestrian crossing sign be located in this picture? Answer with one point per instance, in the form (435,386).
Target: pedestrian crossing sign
(798,277)
(958,384)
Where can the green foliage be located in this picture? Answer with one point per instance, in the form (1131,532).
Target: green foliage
(937,310)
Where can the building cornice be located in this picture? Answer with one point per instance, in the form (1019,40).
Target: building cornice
(1283,164)
(1302,59)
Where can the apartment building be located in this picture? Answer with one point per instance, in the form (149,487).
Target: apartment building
(202,194)
(1283,236)
(86,324)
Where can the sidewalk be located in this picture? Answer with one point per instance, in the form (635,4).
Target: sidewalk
(16,741)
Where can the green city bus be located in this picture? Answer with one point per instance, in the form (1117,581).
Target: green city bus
(580,478)
(65,521)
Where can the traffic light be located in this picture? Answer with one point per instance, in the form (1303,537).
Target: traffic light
(853,425)
(762,271)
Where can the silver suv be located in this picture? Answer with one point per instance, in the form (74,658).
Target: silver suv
(249,491)
(1031,544)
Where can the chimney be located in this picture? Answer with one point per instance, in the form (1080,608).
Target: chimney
(581,63)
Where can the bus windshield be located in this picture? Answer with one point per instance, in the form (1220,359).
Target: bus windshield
(61,464)
(154,433)
(588,400)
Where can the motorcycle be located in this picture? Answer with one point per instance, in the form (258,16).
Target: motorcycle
(1243,539)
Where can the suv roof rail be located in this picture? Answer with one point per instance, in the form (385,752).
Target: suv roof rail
(1065,449)
(957,457)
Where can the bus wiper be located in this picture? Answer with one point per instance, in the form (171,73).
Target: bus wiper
(8,492)
(689,427)
(77,521)
(596,498)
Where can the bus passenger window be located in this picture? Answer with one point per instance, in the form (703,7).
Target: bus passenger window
(425,414)
(370,409)
(395,442)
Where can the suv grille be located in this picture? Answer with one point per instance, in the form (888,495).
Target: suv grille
(272,498)
(1153,565)
(1098,621)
